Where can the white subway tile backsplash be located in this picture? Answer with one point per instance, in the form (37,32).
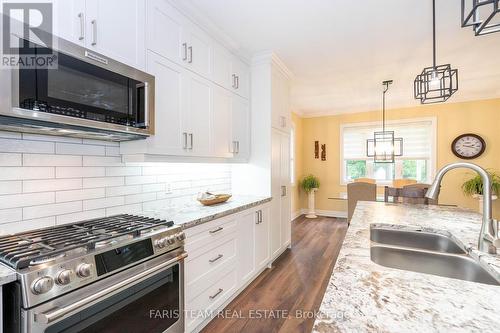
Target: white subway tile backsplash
(8,159)
(123,171)
(103,203)
(11,215)
(51,210)
(103,182)
(11,187)
(51,160)
(85,194)
(24,200)
(21,173)
(49,180)
(26,146)
(135,180)
(83,172)
(123,190)
(79,149)
(102,161)
(81,216)
(48,185)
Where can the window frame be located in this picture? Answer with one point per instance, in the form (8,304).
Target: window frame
(293,155)
(398,165)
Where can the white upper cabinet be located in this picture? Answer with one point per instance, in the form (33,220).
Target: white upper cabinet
(281,114)
(114,28)
(240,128)
(240,78)
(230,72)
(165,31)
(197,51)
(222,105)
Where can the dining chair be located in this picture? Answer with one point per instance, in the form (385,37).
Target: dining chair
(411,194)
(400,183)
(365,180)
(359,191)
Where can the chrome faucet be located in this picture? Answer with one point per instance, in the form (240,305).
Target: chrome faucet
(488,236)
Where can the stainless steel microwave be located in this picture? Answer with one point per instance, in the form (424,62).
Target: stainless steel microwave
(85,95)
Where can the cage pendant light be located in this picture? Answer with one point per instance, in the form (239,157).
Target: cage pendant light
(384,146)
(436,83)
(482,15)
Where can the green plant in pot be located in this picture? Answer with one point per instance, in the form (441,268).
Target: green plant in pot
(310,184)
(474,187)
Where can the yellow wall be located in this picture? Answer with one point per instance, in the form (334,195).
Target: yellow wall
(296,198)
(453,119)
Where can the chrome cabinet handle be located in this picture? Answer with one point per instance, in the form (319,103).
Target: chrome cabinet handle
(190,54)
(94,32)
(191,141)
(216,258)
(59,312)
(237,147)
(259,216)
(185,135)
(233,147)
(216,230)
(216,294)
(82,26)
(283,191)
(234,81)
(185,56)
(237,82)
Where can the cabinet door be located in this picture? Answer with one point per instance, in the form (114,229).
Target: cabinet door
(170,121)
(199,51)
(242,84)
(69,20)
(116,28)
(280,101)
(285,195)
(165,31)
(275,221)
(241,127)
(246,241)
(199,114)
(222,67)
(222,132)
(262,254)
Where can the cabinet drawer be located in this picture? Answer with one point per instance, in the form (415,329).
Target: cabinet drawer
(205,235)
(210,299)
(203,262)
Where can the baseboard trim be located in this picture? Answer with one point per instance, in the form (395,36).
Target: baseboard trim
(321,212)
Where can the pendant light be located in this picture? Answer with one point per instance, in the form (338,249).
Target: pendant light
(437,83)
(482,15)
(384,147)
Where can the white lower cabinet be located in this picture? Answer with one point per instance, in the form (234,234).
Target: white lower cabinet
(224,256)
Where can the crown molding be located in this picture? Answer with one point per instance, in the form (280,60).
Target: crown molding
(269,57)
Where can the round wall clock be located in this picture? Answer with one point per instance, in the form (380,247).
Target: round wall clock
(468,146)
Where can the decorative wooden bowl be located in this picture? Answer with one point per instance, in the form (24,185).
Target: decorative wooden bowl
(219,198)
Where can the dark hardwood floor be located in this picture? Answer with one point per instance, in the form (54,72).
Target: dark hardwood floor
(296,282)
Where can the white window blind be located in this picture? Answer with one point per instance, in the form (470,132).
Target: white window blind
(417,139)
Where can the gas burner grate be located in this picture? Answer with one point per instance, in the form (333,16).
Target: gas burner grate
(34,247)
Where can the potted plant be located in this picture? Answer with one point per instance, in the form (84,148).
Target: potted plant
(310,184)
(474,188)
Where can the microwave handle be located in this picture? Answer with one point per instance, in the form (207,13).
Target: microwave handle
(57,313)
(146,101)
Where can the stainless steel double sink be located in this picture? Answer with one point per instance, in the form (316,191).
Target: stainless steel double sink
(425,252)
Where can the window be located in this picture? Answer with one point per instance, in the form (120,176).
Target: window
(417,162)
(292,155)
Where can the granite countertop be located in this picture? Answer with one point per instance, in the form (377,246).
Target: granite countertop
(7,275)
(363,296)
(195,213)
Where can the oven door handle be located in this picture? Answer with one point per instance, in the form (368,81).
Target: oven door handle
(51,316)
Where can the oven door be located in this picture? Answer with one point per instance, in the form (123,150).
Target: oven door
(149,301)
(79,88)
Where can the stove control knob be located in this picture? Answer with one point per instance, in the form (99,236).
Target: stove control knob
(84,270)
(181,236)
(65,277)
(42,285)
(160,243)
(171,240)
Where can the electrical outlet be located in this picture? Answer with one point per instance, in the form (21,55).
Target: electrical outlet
(168,188)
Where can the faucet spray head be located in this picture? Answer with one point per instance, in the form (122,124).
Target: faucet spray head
(433,191)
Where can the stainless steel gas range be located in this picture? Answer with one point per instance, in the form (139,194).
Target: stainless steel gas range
(116,274)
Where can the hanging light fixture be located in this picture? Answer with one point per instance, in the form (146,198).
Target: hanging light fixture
(482,15)
(384,147)
(437,83)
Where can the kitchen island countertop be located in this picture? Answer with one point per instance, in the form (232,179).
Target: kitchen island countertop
(363,296)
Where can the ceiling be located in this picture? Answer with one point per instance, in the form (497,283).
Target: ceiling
(340,51)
